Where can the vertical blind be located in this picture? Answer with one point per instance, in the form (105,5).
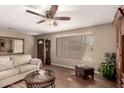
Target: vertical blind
(76,47)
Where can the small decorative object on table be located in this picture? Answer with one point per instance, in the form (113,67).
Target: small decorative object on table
(41,79)
(85,71)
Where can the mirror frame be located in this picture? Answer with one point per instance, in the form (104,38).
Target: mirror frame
(5,37)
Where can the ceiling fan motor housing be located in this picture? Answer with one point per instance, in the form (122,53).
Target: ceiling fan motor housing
(48,15)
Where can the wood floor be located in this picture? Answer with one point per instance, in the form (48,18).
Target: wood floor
(66,78)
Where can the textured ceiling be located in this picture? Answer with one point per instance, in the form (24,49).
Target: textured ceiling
(81,16)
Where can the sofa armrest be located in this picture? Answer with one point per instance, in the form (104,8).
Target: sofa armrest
(36,61)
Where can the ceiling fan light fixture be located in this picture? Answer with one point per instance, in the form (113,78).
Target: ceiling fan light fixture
(50,21)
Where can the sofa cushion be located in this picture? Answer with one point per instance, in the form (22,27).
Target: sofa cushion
(8,73)
(5,63)
(26,67)
(21,59)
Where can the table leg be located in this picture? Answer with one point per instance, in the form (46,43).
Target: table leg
(92,76)
(76,73)
(84,77)
(53,85)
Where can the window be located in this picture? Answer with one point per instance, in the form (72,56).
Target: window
(69,47)
(87,47)
(76,47)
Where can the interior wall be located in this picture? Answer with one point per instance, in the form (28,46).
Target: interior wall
(104,41)
(29,40)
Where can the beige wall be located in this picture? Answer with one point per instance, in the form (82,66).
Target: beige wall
(104,41)
(29,40)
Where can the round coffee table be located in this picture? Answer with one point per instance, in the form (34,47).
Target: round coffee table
(36,80)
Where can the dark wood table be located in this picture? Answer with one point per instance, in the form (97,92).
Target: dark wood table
(84,71)
(35,80)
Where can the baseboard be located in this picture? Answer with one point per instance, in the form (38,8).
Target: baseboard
(96,72)
(62,65)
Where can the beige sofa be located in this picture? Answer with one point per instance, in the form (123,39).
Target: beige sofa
(15,68)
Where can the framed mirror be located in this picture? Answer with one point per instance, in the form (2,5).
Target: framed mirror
(10,45)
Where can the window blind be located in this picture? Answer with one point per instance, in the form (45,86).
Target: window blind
(76,47)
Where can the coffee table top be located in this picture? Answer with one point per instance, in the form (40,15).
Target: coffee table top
(41,76)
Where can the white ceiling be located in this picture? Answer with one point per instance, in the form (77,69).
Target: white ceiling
(81,16)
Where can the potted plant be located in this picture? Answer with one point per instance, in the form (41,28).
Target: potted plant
(108,68)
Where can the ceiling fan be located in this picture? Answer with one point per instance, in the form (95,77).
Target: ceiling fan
(50,16)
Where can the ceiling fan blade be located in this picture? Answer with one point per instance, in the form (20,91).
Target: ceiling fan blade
(32,12)
(40,21)
(53,10)
(62,18)
(55,23)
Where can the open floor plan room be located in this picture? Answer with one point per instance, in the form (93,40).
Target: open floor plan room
(61,46)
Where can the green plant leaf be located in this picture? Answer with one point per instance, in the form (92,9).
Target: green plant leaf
(108,68)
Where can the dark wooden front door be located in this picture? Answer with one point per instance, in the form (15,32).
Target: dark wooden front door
(40,49)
